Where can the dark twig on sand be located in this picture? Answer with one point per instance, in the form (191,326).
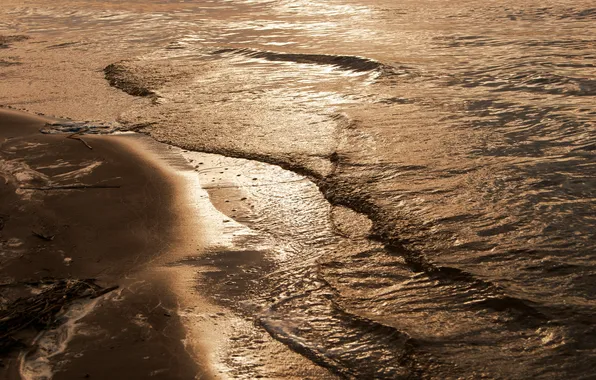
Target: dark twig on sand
(76,136)
(101,292)
(43,236)
(42,310)
(72,187)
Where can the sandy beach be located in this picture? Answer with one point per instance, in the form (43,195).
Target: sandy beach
(109,234)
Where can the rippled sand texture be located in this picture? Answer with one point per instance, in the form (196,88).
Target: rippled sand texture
(465,131)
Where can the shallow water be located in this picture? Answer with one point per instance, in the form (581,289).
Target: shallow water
(464,131)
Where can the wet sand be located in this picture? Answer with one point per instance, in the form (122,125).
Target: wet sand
(110,234)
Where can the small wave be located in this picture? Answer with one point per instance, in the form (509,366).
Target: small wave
(555,13)
(344,62)
(534,80)
(487,294)
(312,324)
(340,361)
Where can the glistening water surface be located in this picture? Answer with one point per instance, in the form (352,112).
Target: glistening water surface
(464,131)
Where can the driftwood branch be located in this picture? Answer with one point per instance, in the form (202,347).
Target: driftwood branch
(42,310)
(77,136)
(43,236)
(74,137)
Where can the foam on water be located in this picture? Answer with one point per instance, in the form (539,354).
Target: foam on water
(37,365)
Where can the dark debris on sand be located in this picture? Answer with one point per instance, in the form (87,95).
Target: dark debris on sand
(42,311)
(6,41)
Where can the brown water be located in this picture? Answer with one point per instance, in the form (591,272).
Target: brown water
(464,131)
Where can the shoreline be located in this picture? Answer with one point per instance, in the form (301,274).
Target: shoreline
(430,215)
